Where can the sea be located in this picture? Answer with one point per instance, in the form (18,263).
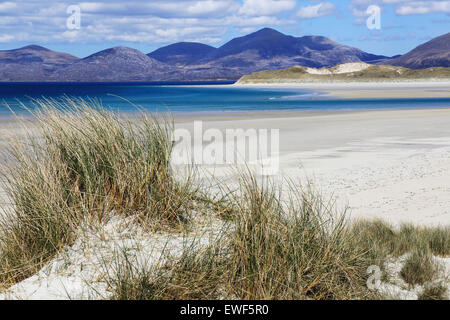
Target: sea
(189,97)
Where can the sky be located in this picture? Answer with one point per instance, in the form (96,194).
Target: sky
(387,27)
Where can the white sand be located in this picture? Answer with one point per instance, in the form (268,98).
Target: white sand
(398,289)
(353,90)
(393,165)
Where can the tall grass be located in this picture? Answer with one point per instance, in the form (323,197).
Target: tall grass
(437,291)
(292,249)
(274,249)
(197,275)
(381,239)
(83,162)
(420,267)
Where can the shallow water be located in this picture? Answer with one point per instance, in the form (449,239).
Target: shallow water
(191,97)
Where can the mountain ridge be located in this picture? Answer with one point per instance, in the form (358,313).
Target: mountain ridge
(271,49)
(19,64)
(181,52)
(266,49)
(114,64)
(435,52)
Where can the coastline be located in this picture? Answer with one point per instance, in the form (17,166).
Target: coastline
(359,90)
(388,164)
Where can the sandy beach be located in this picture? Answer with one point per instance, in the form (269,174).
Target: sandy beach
(361,90)
(389,164)
(393,165)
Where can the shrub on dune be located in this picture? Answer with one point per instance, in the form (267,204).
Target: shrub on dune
(420,267)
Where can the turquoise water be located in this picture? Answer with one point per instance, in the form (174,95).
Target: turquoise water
(177,97)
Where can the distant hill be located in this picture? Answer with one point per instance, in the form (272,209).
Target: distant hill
(115,64)
(183,53)
(345,73)
(434,53)
(273,47)
(32,63)
(266,49)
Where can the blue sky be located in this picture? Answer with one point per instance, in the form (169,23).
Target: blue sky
(148,25)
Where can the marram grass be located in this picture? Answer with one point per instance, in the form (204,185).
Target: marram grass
(83,163)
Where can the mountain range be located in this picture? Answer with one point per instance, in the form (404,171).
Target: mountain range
(266,49)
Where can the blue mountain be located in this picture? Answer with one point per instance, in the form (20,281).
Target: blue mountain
(268,46)
(183,53)
(434,53)
(261,50)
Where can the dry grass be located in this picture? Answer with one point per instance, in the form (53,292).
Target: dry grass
(434,292)
(84,162)
(294,249)
(197,275)
(420,267)
(382,239)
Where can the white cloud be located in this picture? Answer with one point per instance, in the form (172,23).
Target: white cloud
(212,7)
(153,22)
(6,38)
(266,7)
(424,7)
(316,11)
(6,7)
(402,7)
(168,8)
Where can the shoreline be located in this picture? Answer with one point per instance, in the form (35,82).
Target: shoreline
(358,90)
(10,121)
(183,116)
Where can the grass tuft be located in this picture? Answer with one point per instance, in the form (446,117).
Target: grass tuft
(420,267)
(83,162)
(293,249)
(434,292)
(197,275)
